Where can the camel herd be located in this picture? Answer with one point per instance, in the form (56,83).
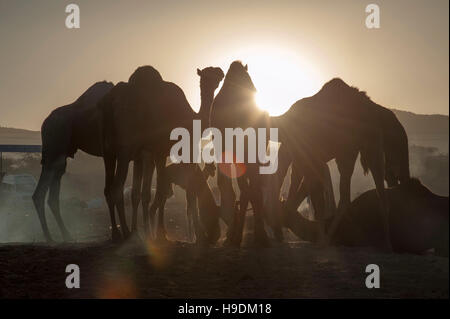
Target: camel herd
(132,121)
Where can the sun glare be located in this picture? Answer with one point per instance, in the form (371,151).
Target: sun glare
(281,78)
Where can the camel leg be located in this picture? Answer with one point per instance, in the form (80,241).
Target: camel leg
(255,196)
(148,167)
(160,199)
(53,201)
(161,234)
(136,191)
(317,193)
(189,215)
(193,208)
(292,201)
(39,199)
(284,161)
(292,204)
(243,205)
(227,198)
(298,191)
(110,167)
(377,169)
(119,183)
(346,166)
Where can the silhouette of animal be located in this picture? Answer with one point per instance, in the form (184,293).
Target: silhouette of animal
(320,191)
(210,78)
(419,221)
(396,154)
(234,107)
(337,123)
(139,116)
(67,129)
(193,180)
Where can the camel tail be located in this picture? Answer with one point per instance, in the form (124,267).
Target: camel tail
(396,148)
(365,161)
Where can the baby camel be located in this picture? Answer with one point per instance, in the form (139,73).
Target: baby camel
(193,180)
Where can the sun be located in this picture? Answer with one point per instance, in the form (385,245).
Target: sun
(281,77)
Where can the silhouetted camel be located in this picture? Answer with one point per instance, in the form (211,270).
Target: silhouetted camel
(395,146)
(139,116)
(234,107)
(193,180)
(338,122)
(67,129)
(210,78)
(419,221)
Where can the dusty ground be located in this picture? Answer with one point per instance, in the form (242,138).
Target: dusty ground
(180,270)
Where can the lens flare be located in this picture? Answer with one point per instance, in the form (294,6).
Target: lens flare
(227,168)
(118,287)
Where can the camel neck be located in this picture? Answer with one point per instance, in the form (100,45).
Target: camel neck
(207,97)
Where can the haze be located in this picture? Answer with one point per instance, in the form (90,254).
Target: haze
(291,48)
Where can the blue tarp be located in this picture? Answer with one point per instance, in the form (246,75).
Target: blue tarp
(20,148)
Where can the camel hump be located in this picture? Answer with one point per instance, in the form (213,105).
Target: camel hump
(336,83)
(145,76)
(336,87)
(237,76)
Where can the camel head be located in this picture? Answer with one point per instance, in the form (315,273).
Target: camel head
(210,77)
(145,78)
(238,77)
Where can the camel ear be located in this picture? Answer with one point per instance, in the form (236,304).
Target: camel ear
(199,72)
(246,67)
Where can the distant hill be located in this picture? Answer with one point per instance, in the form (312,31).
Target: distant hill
(425,130)
(19,136)
(422,130)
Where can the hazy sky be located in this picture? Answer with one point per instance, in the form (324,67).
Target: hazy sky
(291,47)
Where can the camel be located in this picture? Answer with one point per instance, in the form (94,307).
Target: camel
(419,221)
(337,123)
(193,180)
(67,129)
(210,78)
(395,146)
(139,116)
(234,107)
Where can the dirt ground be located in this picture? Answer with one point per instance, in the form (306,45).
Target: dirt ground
(181,270)
(31,269)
